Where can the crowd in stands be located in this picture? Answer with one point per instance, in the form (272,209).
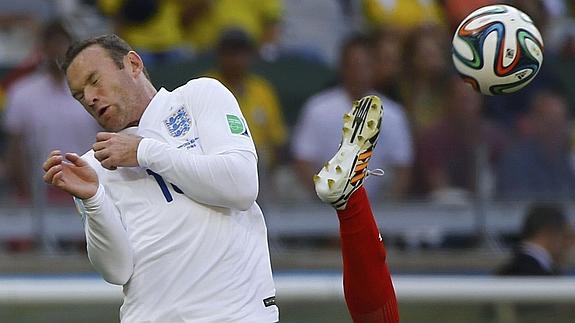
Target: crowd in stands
(296,66)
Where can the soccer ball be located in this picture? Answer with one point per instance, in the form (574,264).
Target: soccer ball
(497,49)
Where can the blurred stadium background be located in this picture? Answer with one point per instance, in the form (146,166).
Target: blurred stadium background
(451,204)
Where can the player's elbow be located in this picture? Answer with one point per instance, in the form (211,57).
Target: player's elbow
(245,196)
(243,190)
(115,270)
(246,203)
(120,276)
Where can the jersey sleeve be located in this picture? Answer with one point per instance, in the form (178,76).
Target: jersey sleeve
(218,118)
(225,174)
(107,241)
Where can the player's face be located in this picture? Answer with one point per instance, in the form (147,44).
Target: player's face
(107,92)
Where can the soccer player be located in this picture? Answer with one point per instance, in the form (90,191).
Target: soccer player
(168,192)
(368,288)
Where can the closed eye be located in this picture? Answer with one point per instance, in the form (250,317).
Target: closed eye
(79,97)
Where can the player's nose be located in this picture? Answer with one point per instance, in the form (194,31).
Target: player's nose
(91,98)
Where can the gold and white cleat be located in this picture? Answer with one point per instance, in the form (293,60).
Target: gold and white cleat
(348,167)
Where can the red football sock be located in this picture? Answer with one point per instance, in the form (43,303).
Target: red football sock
(367,285)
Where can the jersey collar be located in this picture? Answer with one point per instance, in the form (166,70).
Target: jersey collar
(155,105)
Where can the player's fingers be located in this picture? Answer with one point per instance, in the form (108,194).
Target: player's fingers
(51,161)
(100,155)
(49,176)
(54,153)
(76,160)
(58,179)
(103,136)
(108,163)
(99,145)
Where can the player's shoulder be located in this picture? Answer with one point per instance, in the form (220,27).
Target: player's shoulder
(199,89)
(197,84)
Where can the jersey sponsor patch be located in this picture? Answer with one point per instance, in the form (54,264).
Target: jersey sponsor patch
(237,125)
(179,123)
(270,301)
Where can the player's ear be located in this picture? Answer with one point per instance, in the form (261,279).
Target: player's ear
(135,63)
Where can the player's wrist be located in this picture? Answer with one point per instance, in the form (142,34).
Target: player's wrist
(96,198)
(91,192)
(135,153)
(141,151)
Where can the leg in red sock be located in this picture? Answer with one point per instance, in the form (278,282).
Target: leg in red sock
(368,289)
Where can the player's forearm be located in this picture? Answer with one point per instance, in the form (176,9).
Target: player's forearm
(227,180)
(107,240)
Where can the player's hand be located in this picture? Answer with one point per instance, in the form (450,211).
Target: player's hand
(71,174)
(115,150)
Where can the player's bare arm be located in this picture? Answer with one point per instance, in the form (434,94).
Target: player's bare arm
(70,173)
(114,150)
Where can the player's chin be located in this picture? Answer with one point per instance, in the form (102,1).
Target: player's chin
(110,125)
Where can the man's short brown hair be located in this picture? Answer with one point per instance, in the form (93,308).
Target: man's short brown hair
(115,46)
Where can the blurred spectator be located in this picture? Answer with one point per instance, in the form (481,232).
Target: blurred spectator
(405,14)
(457,10)
(451,150)
(151,26)
(318,131)
(538,165)
(426,67)
(387,63)
(257,99)
(546,239)
(508,109)
(564,64)
(549,16)
(540,11)
(20,21)
(41,115)
(205,20)
(546,15)
(314,29)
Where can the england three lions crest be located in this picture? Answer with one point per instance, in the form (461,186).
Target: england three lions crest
(178,124)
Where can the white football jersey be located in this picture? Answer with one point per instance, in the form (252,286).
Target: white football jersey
(193,262)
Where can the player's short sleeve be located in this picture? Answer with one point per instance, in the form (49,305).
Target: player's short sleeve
(217,116)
